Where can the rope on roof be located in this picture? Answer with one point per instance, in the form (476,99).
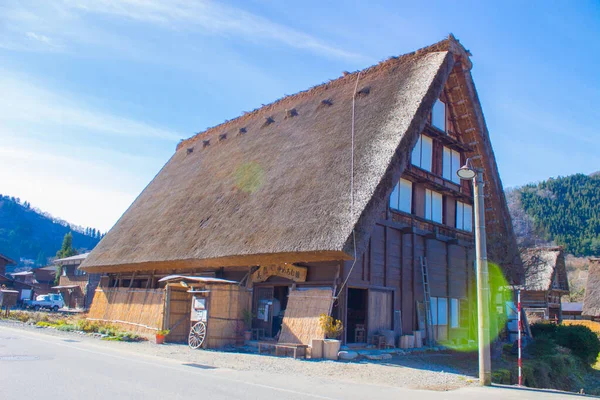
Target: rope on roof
(351,190)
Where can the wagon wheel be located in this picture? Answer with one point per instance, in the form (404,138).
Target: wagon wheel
(197,335)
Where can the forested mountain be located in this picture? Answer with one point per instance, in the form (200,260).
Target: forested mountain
(28,233)
(563,211)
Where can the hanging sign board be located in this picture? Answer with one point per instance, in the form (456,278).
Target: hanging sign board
(289,271)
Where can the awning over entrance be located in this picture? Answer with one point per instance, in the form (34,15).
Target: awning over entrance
(203,279)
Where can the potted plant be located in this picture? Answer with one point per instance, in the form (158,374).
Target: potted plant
(248,316)
(160,335)
(332,328)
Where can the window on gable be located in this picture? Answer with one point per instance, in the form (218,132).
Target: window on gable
(438,115)
(433,205)
(401,197)
(464,216)
(422,153)
(450,164)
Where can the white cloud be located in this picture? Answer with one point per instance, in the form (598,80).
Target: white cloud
(65,186)
(24,101)
(68,21)
(41,38)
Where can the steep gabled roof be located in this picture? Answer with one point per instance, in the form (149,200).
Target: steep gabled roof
(545,269)
(274,185)
(591,301)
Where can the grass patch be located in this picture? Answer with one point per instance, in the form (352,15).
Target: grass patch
(74,323)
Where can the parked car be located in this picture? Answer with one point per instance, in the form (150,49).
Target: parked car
(48,301)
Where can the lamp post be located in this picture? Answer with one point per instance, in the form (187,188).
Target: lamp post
(469,172)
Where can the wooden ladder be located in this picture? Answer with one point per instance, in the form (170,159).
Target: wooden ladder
(427,303)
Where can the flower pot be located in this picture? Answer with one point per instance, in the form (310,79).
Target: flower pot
(316,349)
(331,348)
(160,339)
(247,335)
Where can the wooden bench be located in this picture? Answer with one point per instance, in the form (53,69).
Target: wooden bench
(286,346)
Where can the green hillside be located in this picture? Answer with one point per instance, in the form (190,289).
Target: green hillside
(565,210)
(31,234)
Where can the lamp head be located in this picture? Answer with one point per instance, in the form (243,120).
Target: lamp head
(466,173)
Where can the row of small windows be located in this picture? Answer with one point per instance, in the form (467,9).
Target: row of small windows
(422,157)
(402,197)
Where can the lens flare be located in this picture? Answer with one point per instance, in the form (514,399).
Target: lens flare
(464,337)
(249,177)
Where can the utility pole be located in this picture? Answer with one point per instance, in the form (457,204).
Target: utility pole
(483,290)
(468,172)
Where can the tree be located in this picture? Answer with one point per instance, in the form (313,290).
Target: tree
(67,249)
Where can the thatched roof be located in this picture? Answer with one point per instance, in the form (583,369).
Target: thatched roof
(274,185)
(591,301)
(543,267)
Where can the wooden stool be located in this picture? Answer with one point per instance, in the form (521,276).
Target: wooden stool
(379,341)
(258,333)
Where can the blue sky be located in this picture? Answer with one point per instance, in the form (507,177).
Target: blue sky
(96,94)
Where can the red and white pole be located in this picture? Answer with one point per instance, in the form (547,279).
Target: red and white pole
(519,335)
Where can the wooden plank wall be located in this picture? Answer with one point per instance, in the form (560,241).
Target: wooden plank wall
(380,311)
(392,261)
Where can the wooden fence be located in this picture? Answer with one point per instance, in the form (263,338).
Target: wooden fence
(137,310)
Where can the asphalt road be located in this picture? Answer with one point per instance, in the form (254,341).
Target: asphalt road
(39,366)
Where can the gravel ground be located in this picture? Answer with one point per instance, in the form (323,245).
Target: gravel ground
(432,371)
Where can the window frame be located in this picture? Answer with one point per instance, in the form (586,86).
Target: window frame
(434,120)
(397,196)
(454,313)
(450,157)
(429,205)
(460,211)
(418,149)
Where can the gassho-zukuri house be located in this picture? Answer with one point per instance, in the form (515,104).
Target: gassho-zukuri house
(338,195)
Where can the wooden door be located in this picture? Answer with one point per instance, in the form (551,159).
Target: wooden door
(263,309)
(179,309)
(380,314)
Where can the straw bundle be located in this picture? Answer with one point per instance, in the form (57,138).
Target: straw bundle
(301,319)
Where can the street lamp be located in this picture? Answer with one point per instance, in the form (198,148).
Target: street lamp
(469,172)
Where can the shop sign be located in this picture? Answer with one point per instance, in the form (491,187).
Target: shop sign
(289,271)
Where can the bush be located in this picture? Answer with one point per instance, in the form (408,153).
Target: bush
(542,346)
(580,340)
(543,329)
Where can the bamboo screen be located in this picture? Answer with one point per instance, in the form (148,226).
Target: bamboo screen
(137,310)
(301,319)
(226,314)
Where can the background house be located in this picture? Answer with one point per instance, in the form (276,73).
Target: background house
(591,301)
(24,289)
(571,310)
(76,285)
(545,281)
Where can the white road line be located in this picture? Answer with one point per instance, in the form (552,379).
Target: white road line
(179,367)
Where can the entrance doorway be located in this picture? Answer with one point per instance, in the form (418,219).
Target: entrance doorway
(270,303)
(357,315)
